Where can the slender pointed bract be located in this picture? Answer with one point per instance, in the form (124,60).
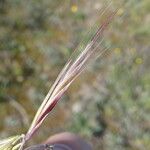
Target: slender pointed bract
(11,143)
(69,73)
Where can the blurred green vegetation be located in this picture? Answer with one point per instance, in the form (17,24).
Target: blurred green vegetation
(109,105)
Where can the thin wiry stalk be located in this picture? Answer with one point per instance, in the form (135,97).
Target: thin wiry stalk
(71,71)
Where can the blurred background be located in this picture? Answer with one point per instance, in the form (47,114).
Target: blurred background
(109,104)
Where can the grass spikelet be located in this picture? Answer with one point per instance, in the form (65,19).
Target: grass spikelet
(69,73)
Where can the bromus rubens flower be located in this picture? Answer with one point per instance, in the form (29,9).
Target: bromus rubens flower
(73,68)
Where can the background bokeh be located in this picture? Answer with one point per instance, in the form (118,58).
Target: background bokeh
(109,104)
